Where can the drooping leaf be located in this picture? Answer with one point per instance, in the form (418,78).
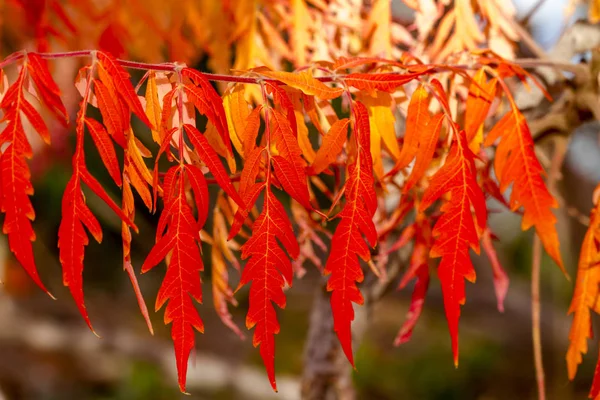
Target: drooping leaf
(15,175)
(455,231)
(515,163)
(356,220)
(211,159)
(585,295)
(123,86)
(479,100)
(333,143)
(178,241)
(418,269)
(269,270)
(288,164)
(500,277)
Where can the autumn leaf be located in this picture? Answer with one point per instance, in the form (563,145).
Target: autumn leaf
(269,270)
(384,82)
(72,237)
(479,100)
(333,143)
(418,269)
(122,85)
(356,220)
(288,164)
(237,113)
(221,253)
(455,231)
(305,82)
(14,171)
(585,295)
(177,241)
(515,163)
(500,276)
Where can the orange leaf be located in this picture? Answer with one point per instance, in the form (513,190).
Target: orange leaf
(123,86)
(516,163)
(333,143)
(305,82)
(428,141)
(110,108)
(479,101)
(417,120)
(585,295)
(455,232)
(237,113)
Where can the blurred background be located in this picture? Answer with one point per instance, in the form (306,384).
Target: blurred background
(47,352)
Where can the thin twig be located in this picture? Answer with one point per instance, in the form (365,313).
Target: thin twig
(173,66)
(560,148)
(535,317)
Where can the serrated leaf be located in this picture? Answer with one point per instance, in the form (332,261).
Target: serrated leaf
(270,270)
(305,82)
(585,294)
(455,231)
(356,220)
(515,163)
(333,143)
(182,281)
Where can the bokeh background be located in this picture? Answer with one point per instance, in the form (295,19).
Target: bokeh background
(46,351)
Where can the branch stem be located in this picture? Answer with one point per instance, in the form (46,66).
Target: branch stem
(535,317)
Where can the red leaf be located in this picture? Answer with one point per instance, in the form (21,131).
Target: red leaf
(210,157)
(500,277)
(269,270)
(72,240)
(289,168)
(455,232)
(123,85)
(384,82)
(181,282)
(356,220)
(48,90)
(418,269)
(111,113)
(105,148)
(208,102)
(14,174)
(416,305)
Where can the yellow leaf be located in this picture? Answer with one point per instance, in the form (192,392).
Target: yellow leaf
(236,110)
(305,82)
(383,131)
(300,35)
(303,139)
(153,110)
